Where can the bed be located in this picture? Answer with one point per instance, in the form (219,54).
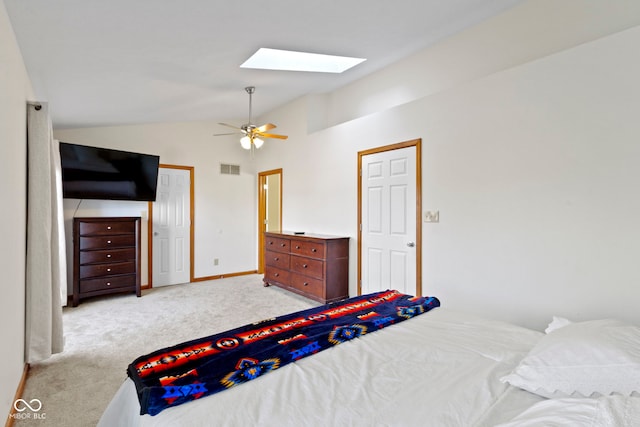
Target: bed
(441,368)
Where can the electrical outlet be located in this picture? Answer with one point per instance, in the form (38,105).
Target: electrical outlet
(432,216)
(216,261)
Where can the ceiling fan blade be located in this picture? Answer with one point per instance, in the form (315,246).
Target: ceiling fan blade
(271,135)
(230,126)
(265,127)
(231,133)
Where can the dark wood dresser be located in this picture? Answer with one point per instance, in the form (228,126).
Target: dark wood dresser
(312,265)
(106,256)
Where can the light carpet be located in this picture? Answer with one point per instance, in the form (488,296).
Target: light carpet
(103,335)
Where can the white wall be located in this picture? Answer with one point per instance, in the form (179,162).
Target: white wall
(15,90)
(225,205)
(531,30)
(532,166)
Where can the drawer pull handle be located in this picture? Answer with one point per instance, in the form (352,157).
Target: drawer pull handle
(108,227)
(283,245)
(276,259)
(108,283)
(314,250)
(108,269)
(297,247)
(306,283)
(277,274)
(271,243)
(108,242)
(304,265)
(108,255)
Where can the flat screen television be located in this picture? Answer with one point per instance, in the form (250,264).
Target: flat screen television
(102,173)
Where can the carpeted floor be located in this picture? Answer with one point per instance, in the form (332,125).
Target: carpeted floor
(103,335)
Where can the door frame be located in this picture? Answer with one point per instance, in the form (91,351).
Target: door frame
(417,143)
(262,212)
(191,226)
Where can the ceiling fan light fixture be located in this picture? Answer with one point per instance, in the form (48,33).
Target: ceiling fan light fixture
(245,142)
(288,60)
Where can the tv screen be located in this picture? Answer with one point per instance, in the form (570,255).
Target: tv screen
(101,173)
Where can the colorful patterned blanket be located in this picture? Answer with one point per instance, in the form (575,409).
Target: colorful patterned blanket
(204,366)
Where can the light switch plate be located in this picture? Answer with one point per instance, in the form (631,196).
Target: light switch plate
(432,216)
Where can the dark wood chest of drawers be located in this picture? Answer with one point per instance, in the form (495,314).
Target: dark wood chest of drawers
(315,266)
(106,256)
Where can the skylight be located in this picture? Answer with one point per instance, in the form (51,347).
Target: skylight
(276,59)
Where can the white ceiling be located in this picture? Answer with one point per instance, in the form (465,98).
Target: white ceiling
(118,62)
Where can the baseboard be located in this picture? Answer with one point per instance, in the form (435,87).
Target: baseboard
(223,276)
(18,395)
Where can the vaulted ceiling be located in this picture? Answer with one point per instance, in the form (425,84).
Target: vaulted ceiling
(116,62)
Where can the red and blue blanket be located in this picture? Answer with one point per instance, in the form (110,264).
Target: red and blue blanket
(204,366)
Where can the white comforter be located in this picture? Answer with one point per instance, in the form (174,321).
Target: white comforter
(603,411)
(439,369)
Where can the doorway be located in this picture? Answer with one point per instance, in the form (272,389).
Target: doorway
(269,208)
(389,214)
(171,227)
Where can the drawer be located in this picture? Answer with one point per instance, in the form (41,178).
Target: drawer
(103,242)
(277,244)
(106,283)
(307,285)
(307,266)
(107,227)
(107,255)
(272,274)
(95,270)
(277,259)
(306,248)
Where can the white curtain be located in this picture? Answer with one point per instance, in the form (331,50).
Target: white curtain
(46,260)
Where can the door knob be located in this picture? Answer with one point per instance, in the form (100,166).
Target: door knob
(411,244)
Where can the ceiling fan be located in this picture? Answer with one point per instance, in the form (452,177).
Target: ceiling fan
(252,134)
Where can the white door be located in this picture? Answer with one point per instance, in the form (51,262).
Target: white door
(389,221)
(171,228)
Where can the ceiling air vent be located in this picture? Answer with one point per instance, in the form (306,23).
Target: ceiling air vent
(229,169)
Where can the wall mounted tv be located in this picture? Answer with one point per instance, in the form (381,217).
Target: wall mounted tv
(101,173)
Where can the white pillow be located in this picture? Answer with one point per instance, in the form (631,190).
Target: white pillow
(598,357)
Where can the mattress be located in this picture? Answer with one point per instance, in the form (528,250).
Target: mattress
(442,368)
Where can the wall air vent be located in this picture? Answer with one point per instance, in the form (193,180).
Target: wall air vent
(226,169)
